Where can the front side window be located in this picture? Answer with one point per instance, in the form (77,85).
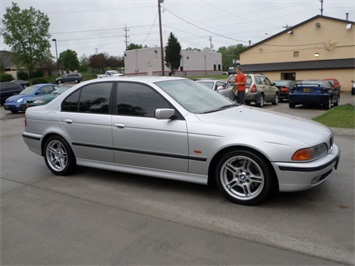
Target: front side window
(134,99)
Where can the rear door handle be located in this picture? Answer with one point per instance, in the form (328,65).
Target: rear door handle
(119,125)
(68,121)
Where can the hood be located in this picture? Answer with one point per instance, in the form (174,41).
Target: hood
(14,98)
(273,126)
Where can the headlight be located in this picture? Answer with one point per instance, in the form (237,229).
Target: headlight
(39,102)
(311,153)
(20,100)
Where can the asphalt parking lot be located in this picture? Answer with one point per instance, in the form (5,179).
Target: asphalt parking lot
(100,217)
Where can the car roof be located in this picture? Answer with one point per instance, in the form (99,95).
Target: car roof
(145,79)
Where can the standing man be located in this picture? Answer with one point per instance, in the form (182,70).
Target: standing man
(240,81)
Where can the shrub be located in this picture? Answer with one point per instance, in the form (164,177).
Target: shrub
(22,75)
(37,74)
(38,81)
(6,77)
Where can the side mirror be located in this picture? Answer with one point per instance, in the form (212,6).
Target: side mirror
(219,88)
(164,113)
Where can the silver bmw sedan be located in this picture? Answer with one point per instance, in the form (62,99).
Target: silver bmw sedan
(175,128)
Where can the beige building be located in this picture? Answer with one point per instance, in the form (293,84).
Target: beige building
(320,47)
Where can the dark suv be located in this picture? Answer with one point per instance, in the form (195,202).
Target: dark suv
(76,77)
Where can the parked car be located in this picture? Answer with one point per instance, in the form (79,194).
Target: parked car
(7,89)
(110,73)
(23,83)
(174,128)
(46,98)
(232,71)
(17,103)
(284,87)
(259,89)
(314,92)
(218,86)
(335,83)
(71,77)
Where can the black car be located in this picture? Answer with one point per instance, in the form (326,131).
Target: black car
(8,89)
(23,83)
(71,77)
(284,87)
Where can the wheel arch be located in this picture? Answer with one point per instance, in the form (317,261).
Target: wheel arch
(46,137)
(211,178)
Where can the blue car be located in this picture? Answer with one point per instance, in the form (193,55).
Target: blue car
(17,103)
(314,92)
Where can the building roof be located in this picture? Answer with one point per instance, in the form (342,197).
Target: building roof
(5,59)
(296,26)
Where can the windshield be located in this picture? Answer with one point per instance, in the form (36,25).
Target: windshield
(61,89)
(194,97)
(29,90)
(208,84)
(281,83)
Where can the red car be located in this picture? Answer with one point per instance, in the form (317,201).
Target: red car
(335,83)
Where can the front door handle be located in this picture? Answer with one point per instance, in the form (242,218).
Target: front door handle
(68,121)
(119,125)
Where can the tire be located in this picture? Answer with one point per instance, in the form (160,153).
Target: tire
(60,82)
(247,102)
(328,105)
(260,103)
(337,102)
(244,177)
(291,105)
(76,81)
(275,101)
(58,156)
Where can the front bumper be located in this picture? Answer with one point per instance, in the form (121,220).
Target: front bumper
(303,176)
(15,107)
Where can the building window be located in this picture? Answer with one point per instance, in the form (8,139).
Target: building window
(296,54)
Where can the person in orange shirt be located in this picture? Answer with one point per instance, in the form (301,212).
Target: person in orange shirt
(240,81)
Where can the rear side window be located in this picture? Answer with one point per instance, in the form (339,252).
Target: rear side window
(93,98)
(134,99)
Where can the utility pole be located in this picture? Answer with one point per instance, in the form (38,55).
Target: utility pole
(161,38)
(211,45)
(126,35)
(321,7)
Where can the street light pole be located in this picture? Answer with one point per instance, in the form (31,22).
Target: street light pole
(161,39)
(56,53)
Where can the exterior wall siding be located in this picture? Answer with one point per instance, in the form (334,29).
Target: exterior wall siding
(294,50)
(147,61)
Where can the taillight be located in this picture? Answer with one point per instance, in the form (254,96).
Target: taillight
(284,90)
(253,88)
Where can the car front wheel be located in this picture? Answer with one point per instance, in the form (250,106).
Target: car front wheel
(260,103)
(243,177)
(275,101)
(59,156)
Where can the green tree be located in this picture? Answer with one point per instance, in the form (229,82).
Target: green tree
(98,62)
(230,53)
(26,32)
(69,60)
(133,46)
(173,53)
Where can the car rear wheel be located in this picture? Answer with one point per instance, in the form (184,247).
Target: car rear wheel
(260,103)
(291,105)
(337,102)
(59,82)
(243,177)
(328,105)
(59,156)
(76,81)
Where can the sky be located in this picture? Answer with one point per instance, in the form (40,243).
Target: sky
(105,26)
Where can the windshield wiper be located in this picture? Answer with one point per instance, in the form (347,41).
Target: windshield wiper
(222,108)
